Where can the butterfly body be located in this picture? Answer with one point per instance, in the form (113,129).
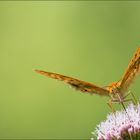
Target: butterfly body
(117,90)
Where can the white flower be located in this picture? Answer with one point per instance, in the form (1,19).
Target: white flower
(123,125)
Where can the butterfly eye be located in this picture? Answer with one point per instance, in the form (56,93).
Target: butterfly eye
(112,90)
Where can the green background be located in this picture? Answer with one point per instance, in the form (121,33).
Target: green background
(92,41)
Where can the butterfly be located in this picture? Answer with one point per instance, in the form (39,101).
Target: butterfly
(117,90)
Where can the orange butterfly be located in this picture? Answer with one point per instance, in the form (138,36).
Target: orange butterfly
(116,90)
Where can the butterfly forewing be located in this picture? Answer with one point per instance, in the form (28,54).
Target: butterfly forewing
(77,84)
(131,72)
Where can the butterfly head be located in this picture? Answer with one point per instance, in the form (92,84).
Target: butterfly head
(114,87)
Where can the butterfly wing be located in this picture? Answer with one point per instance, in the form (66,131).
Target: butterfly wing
(77,84)
(131,72)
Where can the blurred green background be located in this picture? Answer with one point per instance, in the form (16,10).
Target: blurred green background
(92,41)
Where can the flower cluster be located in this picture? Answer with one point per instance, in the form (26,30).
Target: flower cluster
(121,125)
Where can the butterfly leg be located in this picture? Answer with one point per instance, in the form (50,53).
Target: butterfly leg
(135,100)
(121,100)
(111,102)
(126,95)
(127,100)
(111,106)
